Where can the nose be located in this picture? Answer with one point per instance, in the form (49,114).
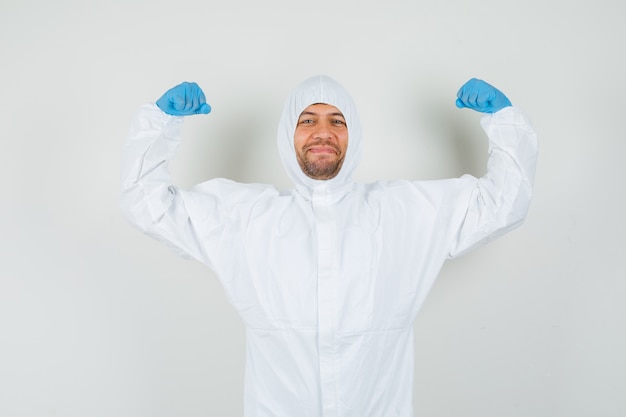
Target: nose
(322,131)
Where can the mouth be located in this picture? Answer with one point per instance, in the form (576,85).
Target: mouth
(322,149)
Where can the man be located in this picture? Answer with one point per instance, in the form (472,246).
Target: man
(328,278)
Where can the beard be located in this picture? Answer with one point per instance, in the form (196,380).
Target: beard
(320,168)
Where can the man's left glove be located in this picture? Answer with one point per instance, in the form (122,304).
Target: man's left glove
(480,96)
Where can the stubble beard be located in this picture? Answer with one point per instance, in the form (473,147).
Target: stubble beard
(322,169)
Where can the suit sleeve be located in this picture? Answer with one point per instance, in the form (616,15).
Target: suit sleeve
(498,202)
(192,222)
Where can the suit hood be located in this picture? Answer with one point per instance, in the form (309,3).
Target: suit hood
(319,89)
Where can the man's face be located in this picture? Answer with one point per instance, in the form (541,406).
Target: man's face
(321,141)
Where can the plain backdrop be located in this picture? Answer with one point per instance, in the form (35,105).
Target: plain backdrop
(98,320)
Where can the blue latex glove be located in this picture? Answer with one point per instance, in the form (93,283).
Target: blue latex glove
(480,96)
(184,100)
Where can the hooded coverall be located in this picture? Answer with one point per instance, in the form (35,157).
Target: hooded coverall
(327,277)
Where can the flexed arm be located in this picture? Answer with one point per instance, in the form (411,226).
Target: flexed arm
(498,201)
(148,199)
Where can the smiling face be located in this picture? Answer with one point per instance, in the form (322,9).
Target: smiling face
(321,141)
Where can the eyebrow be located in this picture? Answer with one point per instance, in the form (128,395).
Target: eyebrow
(311,113)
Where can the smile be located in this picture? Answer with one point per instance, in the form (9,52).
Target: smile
(322,150)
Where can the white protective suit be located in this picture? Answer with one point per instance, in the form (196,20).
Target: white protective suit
(328,277)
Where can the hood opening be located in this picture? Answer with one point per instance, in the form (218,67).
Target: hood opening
(318,90)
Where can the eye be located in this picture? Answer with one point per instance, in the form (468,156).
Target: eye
(306,121)
(339,122)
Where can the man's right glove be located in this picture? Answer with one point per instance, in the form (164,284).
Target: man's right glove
(184,100)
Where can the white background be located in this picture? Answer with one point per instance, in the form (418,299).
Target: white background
(98,320)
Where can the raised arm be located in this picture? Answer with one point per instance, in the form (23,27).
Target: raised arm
(498,201)
(148,199)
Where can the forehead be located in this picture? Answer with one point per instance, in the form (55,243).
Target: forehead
(321,109)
